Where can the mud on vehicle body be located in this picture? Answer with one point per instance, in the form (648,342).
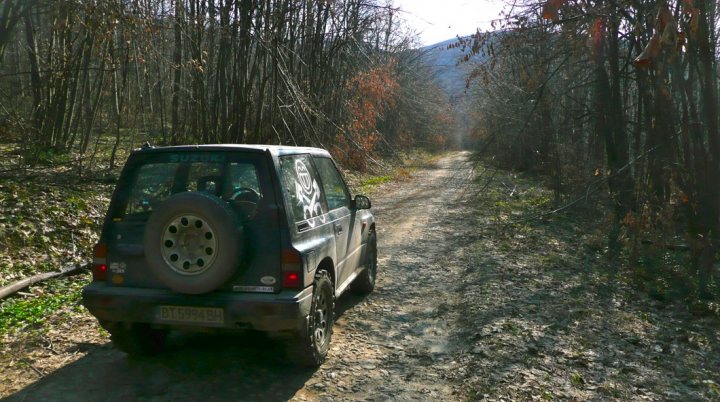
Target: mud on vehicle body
(230,237)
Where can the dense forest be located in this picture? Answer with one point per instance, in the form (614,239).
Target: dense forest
(620,99)
(82,77)
(605,99)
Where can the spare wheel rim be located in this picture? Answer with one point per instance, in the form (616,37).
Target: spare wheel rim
(188,244)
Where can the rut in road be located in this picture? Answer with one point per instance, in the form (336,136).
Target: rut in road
(399,342)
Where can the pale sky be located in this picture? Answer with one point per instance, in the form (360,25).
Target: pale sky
(438,20)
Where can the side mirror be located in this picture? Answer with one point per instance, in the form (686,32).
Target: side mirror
(361,202)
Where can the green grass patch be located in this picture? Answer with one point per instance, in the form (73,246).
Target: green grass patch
(513,197)
(370,183)
(396,170)
(577,379)
(374,181)
(18,314)
(46,157)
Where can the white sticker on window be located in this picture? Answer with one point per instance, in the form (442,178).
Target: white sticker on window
(308,192)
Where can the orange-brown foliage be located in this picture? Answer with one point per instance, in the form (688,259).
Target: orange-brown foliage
(373,93)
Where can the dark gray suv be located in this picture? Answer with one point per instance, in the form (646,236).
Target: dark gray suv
(230,237)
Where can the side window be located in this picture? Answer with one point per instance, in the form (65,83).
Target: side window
(301,189)
(153,184)
(333,185)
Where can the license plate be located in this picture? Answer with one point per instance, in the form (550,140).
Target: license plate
(191,315)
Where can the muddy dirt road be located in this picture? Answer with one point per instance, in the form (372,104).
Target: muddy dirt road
(399,343)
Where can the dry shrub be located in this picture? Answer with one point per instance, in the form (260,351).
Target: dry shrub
(349,155)
(403,174)
(438,141)
(372,94)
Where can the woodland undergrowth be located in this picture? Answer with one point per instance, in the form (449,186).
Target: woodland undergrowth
(563,317)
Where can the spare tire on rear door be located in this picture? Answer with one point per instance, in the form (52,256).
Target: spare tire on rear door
(193,242)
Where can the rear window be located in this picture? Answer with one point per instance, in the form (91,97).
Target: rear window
(234,178)
(153,184)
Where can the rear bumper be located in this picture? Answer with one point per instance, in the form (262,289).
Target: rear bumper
(284,311)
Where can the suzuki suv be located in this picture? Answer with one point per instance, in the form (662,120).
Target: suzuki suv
(230,237)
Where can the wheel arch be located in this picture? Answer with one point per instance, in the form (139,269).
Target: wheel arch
(328,265)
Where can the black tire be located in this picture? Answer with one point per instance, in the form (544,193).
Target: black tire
(137,339)
(206,249)
(311,345)
(365,282)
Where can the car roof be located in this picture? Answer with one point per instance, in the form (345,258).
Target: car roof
(276,150)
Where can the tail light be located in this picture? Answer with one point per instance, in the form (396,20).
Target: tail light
(292,269)
(99,269)
(291,280)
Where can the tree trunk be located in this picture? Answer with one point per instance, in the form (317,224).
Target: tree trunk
(177,72)
(35,82)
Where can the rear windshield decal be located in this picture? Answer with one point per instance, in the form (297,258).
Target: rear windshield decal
(188,157)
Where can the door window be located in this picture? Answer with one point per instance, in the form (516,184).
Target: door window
(333,185)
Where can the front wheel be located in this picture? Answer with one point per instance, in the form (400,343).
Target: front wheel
(311,345)
(365,282)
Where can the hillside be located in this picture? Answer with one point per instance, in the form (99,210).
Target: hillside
(446,60)
(446,64)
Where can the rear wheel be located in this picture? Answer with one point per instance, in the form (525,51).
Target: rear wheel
(311,345)
(137,339)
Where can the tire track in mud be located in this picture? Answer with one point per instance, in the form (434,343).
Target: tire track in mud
(400,342)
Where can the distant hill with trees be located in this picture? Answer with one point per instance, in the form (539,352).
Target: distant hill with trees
(452,63)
